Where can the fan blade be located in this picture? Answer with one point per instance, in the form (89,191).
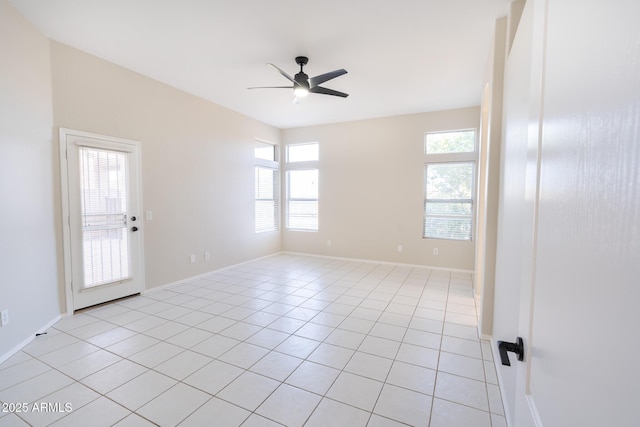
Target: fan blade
(281,71)
(271,87)
(325,91)
(318,80)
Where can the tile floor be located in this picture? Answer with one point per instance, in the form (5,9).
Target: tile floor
(286,340)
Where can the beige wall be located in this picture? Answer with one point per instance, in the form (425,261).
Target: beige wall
(371,190)
(197,162)
(28,260)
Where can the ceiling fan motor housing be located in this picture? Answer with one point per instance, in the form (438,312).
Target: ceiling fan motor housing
(302,79)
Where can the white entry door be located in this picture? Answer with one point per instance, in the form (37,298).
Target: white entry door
(103,229)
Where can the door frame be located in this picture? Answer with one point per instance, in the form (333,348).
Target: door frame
(66,214)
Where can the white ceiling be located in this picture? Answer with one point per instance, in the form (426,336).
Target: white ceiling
(402,56)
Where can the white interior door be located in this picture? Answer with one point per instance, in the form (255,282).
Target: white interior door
(518,211)
(103,231)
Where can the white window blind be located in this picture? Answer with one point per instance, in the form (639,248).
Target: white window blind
(448,206)
(302,200)
(266,214)
(302,186)
(449,185)
(266,187)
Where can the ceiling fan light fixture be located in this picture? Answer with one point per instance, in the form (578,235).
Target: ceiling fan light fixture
(301,92)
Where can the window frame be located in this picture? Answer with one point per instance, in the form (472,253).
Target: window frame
(306,165)
(274,165)
(451,158)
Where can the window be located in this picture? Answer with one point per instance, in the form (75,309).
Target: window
(302,186)
(266,187)
(449,184)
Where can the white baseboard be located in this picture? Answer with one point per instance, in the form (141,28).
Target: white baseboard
(31,337)
(457,270)
(203,275)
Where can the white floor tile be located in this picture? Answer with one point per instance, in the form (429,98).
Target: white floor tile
(380,347)
(113,376)
(256,420)
(68,354)
(244,355)
(156,354)
(89,364)
(379,421)
(75,394)
(390,332)
(224,414)
(412,377)
(240,331)
(313,377)
(449,414)
(215,346)
(213,377)
(417,355)
(182,365)
(355,390)
(100,412)
(134,420)
(470,348)
(174,405)
(422,338)
(312,331)
(404,405)
(332,413)
(370,366)
(331,355)
(249,390)
(46,344)
(132,345)
(288,405)
(12,420)
(189,337)
(297,346)
(461,365)
(344,338)
(495,399)
(268,338)
(35,388)
(462,390)
(166,330)
(141,389)
(277,366)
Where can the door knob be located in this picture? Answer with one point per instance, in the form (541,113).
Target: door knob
(134,228)
(133,218)
(514,347)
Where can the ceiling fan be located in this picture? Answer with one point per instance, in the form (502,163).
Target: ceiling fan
(303,85)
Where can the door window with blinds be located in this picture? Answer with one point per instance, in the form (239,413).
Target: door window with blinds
(267,174)
(302,186)
(103,204)
(449,184)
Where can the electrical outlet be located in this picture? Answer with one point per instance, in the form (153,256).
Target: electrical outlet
(207,256)
(436,251)
(400,248)
(4,317)
(328,242)
(193,258)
